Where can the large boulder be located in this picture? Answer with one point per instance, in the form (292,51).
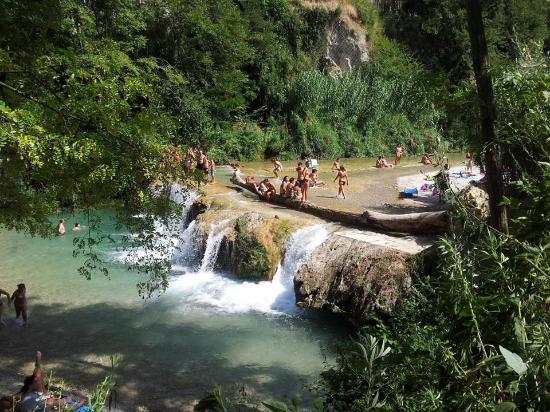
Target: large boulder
(358,275)
(252,244)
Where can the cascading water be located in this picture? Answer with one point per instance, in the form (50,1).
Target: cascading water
(213,244)
(168,242)
(206,288)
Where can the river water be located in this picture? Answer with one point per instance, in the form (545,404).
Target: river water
(207,329)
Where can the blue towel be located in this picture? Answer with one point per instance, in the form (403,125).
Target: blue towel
(413,190)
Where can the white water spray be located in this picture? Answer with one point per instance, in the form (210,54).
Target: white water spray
(208,289)
(213,244)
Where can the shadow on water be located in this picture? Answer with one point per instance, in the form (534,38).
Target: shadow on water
(158,363)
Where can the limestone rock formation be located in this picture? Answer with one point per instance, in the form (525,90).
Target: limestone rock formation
(477,200)
(252,244)
(358,275)
(346,46)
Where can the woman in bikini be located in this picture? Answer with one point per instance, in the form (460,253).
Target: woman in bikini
(284,184)
(398,154)
(342,177)
(305,185)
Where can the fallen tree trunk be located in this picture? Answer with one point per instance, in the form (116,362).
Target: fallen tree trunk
(414,223)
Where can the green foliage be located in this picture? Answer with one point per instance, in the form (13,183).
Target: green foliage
(436,31)
(363,113)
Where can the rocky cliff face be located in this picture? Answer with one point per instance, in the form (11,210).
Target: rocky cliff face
(358,274)
(346,40)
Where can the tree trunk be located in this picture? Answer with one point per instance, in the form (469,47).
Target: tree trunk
(493,165)
(414,223)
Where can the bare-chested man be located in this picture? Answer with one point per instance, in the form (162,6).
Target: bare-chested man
(342,177)
(305,186)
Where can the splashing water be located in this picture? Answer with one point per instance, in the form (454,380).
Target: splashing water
(213,244)
(220,293)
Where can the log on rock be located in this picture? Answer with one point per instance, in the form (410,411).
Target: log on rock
(413,223)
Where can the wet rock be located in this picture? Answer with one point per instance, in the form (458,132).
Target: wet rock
(356,276)
(252,245)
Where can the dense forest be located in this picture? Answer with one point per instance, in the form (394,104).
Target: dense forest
(94,92)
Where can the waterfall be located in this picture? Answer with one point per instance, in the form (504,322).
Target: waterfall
(207,289)
(213,244)
(169,240)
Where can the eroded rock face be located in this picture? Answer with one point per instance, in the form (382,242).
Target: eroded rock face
(476,199)
(346,46)
(354,276)
(252,244)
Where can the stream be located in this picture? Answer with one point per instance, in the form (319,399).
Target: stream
(207,329)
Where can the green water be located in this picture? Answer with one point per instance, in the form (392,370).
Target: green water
(169,349)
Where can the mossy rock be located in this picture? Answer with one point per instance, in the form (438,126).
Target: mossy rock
(259,245)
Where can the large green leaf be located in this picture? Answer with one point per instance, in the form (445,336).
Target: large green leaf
(514,361)
(505,407)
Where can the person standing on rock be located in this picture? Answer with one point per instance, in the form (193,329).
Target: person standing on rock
(342,177)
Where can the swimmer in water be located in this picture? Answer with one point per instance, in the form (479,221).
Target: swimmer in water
(77,227)
(61,227)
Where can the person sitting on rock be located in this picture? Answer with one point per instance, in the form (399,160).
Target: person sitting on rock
(315,181)
(426,159)
(289,189)
(251,181)
(284,183)
(270,190)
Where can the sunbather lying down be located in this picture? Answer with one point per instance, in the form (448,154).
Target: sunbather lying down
(35,396)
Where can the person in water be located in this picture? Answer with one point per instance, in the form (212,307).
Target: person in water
(77,227)
(19,298)
(278,167)
(342,177)
(382,163)
(398,154)
(61,227)
(284,184)
(3,292)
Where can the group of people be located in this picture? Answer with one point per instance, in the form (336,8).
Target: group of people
(298,187)
(19,299)
(61,227)
(35,395)
(195,159)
